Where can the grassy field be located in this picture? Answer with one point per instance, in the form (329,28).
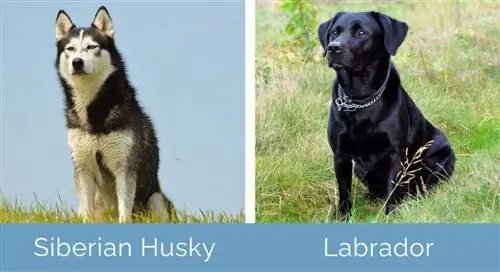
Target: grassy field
(450,66)
(60,213)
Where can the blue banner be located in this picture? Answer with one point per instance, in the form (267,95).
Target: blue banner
(156,247)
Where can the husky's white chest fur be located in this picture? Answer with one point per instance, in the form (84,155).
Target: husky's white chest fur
(115,148)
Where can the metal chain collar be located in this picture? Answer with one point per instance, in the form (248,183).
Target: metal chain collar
(344,102)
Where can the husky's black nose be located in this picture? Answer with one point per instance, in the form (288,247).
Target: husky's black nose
(77,64)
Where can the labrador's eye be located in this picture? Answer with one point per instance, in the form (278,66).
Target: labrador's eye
(90,47)
(360,33)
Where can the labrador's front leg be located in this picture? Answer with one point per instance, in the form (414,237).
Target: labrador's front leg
(343,172)
(392,183)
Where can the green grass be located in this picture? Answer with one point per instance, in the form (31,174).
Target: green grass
(15,212)
(450,66)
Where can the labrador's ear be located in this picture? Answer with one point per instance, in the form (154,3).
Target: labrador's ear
(394,31)
(324,31)
(63,24)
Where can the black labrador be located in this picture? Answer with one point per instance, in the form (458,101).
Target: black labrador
(373,121)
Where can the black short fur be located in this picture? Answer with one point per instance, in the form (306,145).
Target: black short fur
(359,47)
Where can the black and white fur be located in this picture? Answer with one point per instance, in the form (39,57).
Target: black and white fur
(112,140)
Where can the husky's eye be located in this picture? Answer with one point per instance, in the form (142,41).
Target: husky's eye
(70,48)
(90,47)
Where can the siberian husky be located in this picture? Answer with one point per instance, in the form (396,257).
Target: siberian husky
(112,140)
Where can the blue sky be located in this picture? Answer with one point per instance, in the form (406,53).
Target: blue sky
(186,61)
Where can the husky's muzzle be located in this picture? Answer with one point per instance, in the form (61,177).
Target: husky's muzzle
(78,66)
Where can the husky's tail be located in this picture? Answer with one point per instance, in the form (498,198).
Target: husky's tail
(160,205)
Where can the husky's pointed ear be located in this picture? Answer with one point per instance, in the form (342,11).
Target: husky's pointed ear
(63,24)
(102,22)
(324,31)
(394,31)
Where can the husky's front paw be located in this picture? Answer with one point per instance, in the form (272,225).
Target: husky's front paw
(85,216)
(123,219)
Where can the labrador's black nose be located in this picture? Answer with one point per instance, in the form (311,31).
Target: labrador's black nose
(335,47)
